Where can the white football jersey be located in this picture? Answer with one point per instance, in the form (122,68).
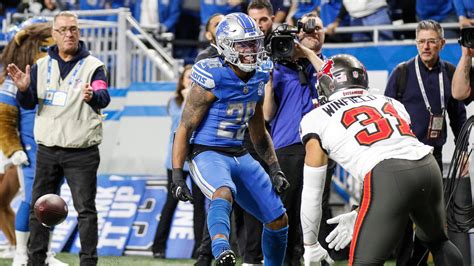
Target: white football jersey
(359,132)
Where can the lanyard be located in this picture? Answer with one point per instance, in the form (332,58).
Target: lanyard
(422,87)
(71,80)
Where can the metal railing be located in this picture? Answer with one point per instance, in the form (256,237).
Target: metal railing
(130,53)
(375,31)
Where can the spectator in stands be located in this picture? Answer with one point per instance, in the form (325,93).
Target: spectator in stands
(364,13)
(163,13)
(175,108)
(289,95)
(280,10)
(329,11)
(185,44)
(208,8)
(67,84)
(438,10)
(465,12)
(403,11)
(50,8)
(94,5)
(299,8)
(423,86)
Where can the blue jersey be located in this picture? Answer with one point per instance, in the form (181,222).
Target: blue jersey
(210,7)
(226,121)
(27,117)
(168,12)
(305,6)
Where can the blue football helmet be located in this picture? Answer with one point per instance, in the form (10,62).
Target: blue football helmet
(240,41)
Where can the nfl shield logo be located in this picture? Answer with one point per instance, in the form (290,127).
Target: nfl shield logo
(246,90)
(355,74)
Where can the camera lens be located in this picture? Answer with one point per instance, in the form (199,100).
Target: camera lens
(467,37)
(282,46)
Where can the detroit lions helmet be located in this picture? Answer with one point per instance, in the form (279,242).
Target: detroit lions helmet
(240,41)
(342,75)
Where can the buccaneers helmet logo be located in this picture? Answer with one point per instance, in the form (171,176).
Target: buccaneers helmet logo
(326,69)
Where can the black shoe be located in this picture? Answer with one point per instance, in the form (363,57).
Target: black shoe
(226,258)
(203,260)
(159,255)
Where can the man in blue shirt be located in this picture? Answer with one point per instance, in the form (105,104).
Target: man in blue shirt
(465,12)
(227,96)
(424,75)
(290,94)
(425,91)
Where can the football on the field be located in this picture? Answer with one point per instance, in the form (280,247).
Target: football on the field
(50,210)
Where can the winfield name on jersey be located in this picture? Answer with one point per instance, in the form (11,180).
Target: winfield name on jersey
(331,107)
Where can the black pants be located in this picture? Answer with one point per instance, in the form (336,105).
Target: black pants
(393,191)
(291,160)
(410,249)
(199,215)
(79,166)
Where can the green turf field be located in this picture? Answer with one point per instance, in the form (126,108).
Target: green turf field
(73,260)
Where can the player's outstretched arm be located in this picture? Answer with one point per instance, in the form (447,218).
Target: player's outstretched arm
(264,146)
(195,109)
(314,175)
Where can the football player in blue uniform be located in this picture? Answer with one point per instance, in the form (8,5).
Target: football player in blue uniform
(225,99)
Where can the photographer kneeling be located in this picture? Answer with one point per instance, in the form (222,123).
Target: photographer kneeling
(289,95)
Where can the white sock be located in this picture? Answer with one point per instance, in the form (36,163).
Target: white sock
(50,241)
(21,241)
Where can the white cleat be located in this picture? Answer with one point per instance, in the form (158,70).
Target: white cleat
(20,259)
(52,261)
(8,253)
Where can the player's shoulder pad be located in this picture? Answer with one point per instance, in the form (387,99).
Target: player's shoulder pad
(307,125)
(206,72)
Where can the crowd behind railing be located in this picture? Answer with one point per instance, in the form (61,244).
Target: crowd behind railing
(344,21)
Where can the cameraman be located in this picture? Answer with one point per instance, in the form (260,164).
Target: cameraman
(461,89)
(289,95)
